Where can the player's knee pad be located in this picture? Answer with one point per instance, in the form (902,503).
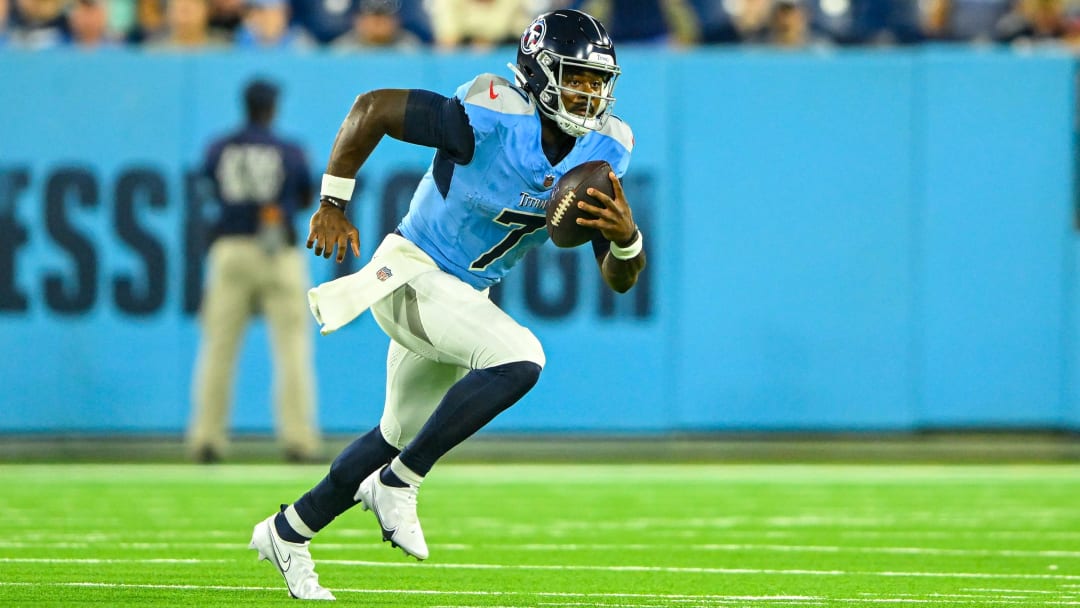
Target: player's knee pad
(393,434)
(523,347)
(536,353)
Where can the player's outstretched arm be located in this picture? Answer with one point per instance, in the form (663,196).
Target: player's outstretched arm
(622,264)
(373,114)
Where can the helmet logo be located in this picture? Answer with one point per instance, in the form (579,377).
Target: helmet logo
(601,58)
(533,36)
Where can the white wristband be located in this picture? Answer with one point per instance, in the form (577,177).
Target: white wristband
(630,251)
(337,187)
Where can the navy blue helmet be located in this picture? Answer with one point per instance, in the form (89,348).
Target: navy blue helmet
(565,40)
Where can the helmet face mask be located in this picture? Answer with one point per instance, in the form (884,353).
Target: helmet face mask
(597,105)
(556,47)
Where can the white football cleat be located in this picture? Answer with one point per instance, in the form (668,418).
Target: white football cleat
(395,508)
(293,561)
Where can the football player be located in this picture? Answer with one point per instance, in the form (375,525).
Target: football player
(456,360)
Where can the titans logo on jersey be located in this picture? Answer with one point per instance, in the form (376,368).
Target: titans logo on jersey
(478,219)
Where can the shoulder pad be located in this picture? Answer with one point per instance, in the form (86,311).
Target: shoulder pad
(496,93)
(618,130)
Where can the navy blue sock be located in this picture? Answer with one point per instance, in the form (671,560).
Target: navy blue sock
(334,494)
(470,404)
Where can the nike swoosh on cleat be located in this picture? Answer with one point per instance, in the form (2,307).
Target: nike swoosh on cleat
(284,564)
(491,90)
(387,533)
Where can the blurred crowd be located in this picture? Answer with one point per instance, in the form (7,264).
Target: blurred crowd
(356,25)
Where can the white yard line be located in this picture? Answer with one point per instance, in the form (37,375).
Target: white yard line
(573,547)
(106,560)
(1000,591)
(785,549)
(576,568)
(550,594)
(692,570)
(770,474)
(39,535)
(894,529)
(684,599)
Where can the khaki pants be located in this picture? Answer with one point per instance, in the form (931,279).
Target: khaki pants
(243,279)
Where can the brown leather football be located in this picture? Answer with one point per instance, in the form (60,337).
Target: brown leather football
(562,209)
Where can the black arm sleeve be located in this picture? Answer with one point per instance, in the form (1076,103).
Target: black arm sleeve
(439,122)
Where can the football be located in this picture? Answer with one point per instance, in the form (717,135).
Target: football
(562,209)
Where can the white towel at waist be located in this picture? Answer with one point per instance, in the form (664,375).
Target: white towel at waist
(396,262)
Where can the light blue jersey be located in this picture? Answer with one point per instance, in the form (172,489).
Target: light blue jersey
(493,211)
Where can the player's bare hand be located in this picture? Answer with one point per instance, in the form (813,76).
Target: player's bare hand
(614,219)
(330,230)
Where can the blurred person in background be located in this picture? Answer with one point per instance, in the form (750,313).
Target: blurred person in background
(121,18)
(715,22)
(38,24)
(88,23)
(789,26)
(665,22)
(416,19)
(149,21)
(187,26)
(751,21)
(328,20)
(962,20)
(325,20)
(266,26)
(226,16)
(377,25)
(884,23)
(479,24)
(4,16)
(254,267)
(1034,22)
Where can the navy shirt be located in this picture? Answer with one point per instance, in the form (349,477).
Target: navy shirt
(252,168)
(328,19)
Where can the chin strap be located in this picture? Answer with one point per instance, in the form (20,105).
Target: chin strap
(570,128)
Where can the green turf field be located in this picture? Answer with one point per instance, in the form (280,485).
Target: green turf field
(558,536)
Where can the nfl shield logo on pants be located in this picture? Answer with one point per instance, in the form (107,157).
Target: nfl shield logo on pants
(383,273)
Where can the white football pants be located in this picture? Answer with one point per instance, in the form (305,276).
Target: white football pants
(440,328)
